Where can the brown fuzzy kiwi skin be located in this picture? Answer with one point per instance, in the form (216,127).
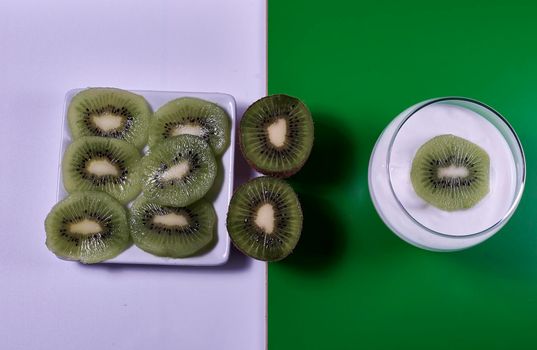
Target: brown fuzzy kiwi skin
(291,251)
(278,174)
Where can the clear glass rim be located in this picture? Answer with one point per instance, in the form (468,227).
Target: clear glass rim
(518,194)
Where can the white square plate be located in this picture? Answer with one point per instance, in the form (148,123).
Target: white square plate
(220,193)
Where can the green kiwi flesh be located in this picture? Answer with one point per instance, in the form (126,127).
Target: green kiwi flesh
(276,135)
(109,112)
(93,163)
(192,116)
(174,232)
(178,171)
(264,219)
(89,227)
(450,173)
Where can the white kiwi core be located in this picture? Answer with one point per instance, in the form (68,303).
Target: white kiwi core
(265,218)
(171,219)
(86,227)
(102,167)
(188,129)
(453,171)
(178,171)
(107,121)
(277,132)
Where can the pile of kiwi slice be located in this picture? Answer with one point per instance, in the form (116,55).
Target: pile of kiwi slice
(264,219)
(105,168)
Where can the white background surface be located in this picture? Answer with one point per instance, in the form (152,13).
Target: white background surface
(50,47)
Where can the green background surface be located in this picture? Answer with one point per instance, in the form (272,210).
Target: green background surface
(351,283)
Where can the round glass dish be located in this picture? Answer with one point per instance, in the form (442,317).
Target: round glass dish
(420,223)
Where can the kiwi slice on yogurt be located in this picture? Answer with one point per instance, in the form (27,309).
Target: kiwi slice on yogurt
(110,112)
(264,219)
(178,171)
(89,227)
(191,116)
(276,135)
(93,163)
(174,232)
(450,173)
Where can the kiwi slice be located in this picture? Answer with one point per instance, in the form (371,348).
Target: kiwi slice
(276,135)
(191,116)
(93,163)
(264,219)
(178,171)
(109,112)
(87,226)
(174,232)
(450,172)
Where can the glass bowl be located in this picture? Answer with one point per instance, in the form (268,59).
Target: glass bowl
(420,223)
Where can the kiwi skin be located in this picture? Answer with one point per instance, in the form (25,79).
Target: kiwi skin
(278,174)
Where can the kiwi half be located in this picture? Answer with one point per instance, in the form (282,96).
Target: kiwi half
(172,231)
(109,112)
(191,116)
(87,226)
(178,171)
(276,135)
(95,163)
(450,173)
(264,219)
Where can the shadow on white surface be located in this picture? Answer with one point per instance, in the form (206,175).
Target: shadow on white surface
(237,262)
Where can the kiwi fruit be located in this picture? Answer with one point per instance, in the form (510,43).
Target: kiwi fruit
(276,135)
(174,232)
(93,163)
(178,171)
(264,219)
(191,116)
(89,227)
(450,173)
(109,112)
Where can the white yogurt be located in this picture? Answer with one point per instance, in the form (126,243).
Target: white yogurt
(456,229)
